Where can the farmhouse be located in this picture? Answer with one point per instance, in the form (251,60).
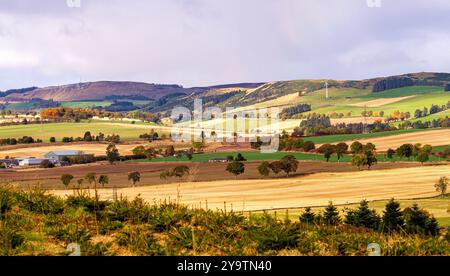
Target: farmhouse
(60,156)
(219,160)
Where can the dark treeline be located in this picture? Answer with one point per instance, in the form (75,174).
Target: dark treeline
(298,109)
(392,83)
(441,122)
(320,125)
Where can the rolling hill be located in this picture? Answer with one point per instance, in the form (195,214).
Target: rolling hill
(406,92)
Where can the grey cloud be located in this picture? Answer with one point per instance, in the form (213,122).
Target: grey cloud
(202,42)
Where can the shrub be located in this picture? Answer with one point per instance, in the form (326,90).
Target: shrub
(419,221)
(363,217)
(38,201)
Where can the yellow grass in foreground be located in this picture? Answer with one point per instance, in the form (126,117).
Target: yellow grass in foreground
(313,190)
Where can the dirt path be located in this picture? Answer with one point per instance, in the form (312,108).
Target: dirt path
(313,190)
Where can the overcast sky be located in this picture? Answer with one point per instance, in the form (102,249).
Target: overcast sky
(205,42)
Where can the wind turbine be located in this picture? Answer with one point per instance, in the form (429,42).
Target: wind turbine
(326,90)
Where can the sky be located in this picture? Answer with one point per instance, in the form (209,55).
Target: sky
(208,42)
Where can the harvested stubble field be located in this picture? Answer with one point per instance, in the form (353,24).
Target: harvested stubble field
(439,137)
(150,172)
(311,190)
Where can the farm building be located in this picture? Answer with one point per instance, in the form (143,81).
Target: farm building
(8,163)
(30,161)
(219,160)
(60,156)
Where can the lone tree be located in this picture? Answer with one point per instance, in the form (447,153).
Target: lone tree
(393,217)
(442,185)
(264,168)
(112,153)
(331,215)
(134,177)
(289,164)
(180,171)
(87,136)
(80,182)
(66,179)
(91,178)
(236,168)
(103,180)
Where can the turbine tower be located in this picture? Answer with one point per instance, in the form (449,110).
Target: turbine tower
(326,90)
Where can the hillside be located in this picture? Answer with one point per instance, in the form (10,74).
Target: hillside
(346,95)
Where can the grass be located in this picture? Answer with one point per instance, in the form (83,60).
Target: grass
(440,148)
(86,104)
(258,156)
(59,130)
(342,99)
(405,91)
(19,106)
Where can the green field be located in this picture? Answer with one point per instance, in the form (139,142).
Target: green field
(86,104)
(59,130)
(342,100)
(19,106)
(405,91)
(258,156)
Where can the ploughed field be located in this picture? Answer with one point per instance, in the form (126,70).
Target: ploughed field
(150,173)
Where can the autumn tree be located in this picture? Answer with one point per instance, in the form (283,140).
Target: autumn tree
(264,168)
(112,153)
(236,168)
(134,177)
(442,185)
(66,179)
(103,180)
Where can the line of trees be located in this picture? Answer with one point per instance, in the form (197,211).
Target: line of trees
(412,220)
(22,140)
